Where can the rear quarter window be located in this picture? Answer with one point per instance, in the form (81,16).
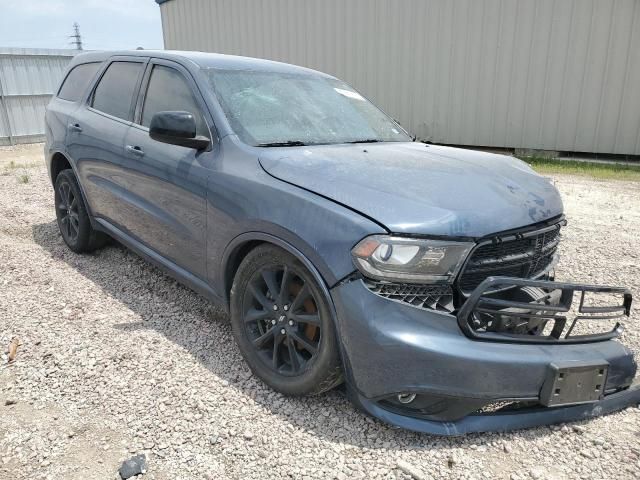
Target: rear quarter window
(115,90)
(77,81)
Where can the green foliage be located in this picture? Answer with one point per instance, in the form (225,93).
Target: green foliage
(602,171)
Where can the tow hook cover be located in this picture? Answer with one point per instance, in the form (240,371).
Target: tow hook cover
(572,383)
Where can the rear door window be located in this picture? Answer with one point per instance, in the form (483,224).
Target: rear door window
(114,93)
(77,81)
(169,91)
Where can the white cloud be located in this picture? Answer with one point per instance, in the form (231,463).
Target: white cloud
(39,7)
(130,8)
(136,8)
(104,24)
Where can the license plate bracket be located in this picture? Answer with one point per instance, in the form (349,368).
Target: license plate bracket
(572,383)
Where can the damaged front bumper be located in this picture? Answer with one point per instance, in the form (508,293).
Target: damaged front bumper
(503,421)
(435,372)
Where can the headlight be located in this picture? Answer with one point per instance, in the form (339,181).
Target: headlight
(410,259)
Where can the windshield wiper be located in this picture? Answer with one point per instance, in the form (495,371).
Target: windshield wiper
(289,143)
(367,140)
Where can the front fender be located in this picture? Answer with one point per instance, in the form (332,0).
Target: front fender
(237,243)
(282,238)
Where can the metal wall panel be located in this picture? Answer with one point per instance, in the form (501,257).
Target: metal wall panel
(541,74)
(28,78)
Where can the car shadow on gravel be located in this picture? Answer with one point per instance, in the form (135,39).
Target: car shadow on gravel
(201,329)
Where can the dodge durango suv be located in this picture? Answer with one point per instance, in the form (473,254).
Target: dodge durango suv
(419,276)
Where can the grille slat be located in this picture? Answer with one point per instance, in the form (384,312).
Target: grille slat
(524,256)
(433,297)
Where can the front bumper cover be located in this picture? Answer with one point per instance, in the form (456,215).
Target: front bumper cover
(392,348)
(503,421)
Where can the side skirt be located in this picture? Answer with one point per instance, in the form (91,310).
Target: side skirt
(167,266)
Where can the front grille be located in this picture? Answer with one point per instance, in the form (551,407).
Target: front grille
(433,297)
(525,255)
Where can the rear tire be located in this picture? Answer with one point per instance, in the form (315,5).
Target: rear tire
(73,219)
(282,324)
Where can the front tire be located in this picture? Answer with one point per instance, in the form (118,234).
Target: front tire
(282,324)
(73,219)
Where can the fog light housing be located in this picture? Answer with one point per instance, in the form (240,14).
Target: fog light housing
(406,397)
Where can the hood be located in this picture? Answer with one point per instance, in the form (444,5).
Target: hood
(421,189)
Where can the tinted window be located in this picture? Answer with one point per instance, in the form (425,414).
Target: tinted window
(169,91)
(77,81)
(114,93)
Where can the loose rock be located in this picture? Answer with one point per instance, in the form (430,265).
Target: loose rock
(136,465)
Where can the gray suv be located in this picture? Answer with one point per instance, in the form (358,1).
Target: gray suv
(419,276)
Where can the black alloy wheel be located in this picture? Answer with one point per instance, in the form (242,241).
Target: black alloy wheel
(281,321)
(73,219)
(67,205)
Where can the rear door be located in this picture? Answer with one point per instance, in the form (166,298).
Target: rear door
(167,184)
(64,104)
(96,131)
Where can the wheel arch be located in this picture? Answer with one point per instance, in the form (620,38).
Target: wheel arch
(241,245)
(59,162)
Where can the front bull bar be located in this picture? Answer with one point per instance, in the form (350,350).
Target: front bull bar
(498,312)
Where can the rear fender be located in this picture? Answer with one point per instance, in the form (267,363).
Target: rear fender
(49,161)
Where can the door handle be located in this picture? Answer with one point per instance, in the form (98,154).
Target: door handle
(75,127)
(136,150)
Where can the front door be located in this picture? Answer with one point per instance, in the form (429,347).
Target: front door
(167,184)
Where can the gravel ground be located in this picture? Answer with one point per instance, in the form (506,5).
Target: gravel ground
(116,359)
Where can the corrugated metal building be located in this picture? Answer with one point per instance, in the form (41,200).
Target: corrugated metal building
(28,78)
(560,75)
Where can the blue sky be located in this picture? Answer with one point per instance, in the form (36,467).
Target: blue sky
(104,24)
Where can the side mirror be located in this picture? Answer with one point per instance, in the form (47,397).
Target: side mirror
(177,128)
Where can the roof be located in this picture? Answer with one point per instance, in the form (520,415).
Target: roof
(204,60)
